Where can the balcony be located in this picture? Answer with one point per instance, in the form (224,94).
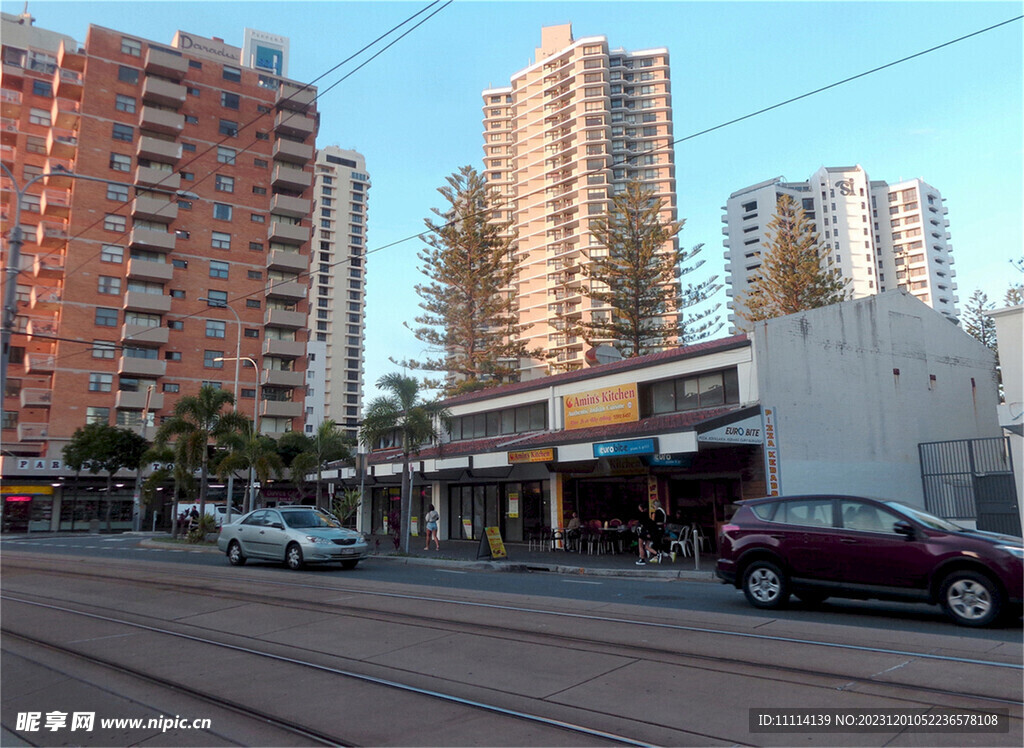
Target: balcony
(166,63)
(10,103)
(40,363)
(142,367)
(57,172)
(294,97)
(153,303)
(147,270)
(284,348)
(154,149)
(137,400)
(8,153)
(279,378)
(296,153)
(288,233)
(154,241)
(61,143)
(294,124)
(67,84)
(145,335)
(71,59)
(48,266)
(289,262)
(154,209)
(65,114)
(45,299)
(9,130)
(36,398)
(162,92)
(33,432)
(293,207)
(41,328)
(149,176)
(161,120)
(289,290)
(55,204)
(286,319)
(289,178)
(279,409)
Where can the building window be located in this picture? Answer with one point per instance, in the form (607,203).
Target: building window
(258,218)
(103,348)
(111,253)
(218,269)
(119,162)
(252,333)
(215,328)
(175,324)
(131,47)
(172,356)
(255,246)
(254,274)
(229,100)
(228,127)
(260,163)
(106,317)
(39,117)
(224,184)
(232,74)
(171,387)
(217,298)
(99,382)
(226,155)
(118,192)
(97,415)
(209,361)
(109,285)
(220,240)
(127,74)
(222,211)
(252,303)
(124,133)
(124,103)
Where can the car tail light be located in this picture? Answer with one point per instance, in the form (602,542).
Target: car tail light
(726,529)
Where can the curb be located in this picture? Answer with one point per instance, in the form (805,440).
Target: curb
(503,566)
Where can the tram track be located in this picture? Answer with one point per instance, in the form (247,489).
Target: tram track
(618,642)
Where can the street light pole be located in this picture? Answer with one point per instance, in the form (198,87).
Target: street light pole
(256,425)
(238,354)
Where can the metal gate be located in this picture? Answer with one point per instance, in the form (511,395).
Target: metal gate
(971,479)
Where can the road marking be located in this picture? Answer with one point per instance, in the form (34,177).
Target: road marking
(450,571)
(578,581)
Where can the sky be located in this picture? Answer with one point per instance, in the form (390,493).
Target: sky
(952,117)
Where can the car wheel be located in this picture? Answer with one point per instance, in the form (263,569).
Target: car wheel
(293,557)
(765,585)
(811,598)
(349,564)
(970,598)
(235,555)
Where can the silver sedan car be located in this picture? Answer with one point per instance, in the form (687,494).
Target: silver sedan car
(295,535)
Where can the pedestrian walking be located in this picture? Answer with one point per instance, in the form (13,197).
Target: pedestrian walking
(432,518)
(644,530)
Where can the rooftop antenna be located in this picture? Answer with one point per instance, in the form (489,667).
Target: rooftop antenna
(26,18)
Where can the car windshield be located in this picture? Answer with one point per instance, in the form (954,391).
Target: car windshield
(928,520)
(309,518)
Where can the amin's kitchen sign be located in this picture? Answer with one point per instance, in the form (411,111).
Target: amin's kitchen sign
(601,407)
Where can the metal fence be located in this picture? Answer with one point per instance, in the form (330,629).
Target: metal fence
(971,479)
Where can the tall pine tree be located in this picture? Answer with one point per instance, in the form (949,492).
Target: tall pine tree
(635,277)
(467,318)
(976,323)
(791,277)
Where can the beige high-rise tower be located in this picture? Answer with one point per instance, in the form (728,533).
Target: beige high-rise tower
(568,134)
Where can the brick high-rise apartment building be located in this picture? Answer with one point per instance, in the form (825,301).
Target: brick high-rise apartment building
(191,208)
(879,236)
(571,131)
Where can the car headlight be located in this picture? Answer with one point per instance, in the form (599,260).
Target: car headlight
(318,540)
(1016,550)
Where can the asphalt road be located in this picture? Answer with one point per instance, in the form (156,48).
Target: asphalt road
(680,594)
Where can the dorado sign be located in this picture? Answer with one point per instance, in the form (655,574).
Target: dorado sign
(601,407)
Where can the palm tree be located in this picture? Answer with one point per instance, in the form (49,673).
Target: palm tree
(415,422)
(327,445)
(251,452)
(197,419)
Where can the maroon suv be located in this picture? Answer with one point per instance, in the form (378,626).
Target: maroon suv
(848,546)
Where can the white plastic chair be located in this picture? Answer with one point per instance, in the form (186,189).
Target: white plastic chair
(681,545)
(700,542)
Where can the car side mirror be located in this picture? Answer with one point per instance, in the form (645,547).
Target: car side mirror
(277,525)
(904,528)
